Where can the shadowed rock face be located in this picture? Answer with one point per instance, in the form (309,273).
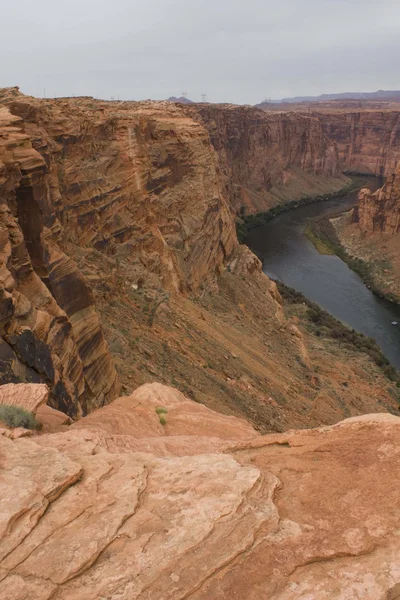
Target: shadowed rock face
(122,506)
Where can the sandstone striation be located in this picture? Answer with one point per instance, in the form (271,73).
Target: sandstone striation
(138,510)
(50,330)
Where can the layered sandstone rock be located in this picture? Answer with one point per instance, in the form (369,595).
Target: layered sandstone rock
(50,329)
(268,158)
(111,510)
(30,397)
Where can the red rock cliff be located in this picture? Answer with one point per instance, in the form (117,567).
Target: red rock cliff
(262,152)
(368,141)
(50,329)
(140,179)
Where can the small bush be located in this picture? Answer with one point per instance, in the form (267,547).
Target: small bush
(163,420)
(160,410)
(14,416)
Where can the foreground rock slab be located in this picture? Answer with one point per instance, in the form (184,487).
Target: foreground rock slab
(122,507)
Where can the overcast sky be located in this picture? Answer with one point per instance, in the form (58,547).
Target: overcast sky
(238,51)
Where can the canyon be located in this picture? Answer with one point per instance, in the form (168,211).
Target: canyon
(121,266)
(254,451)
(268,159)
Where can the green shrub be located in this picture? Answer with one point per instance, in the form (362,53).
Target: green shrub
(14,416)
(163,420)
(160,410)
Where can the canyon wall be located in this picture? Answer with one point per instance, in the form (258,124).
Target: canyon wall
(366,134)
(50,329)
(368,141)
(269,158)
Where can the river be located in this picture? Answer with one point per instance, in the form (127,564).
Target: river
(288,256)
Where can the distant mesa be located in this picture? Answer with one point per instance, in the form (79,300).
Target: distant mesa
(181,99)
(388,95)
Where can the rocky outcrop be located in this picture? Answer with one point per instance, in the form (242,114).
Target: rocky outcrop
(380,211)
(370,233)
(268,158)
(205,508)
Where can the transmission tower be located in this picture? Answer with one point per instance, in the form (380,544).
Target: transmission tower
(184,94)
(203,97)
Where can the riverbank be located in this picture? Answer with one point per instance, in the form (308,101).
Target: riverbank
(324,278)
(246,223)
(321,232)
(322,324)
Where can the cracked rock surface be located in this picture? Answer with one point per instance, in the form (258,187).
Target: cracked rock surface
(120,506)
